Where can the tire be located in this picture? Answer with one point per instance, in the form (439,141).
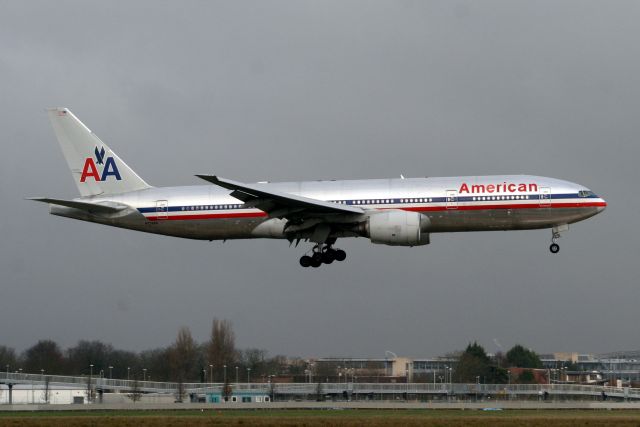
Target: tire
(340,255)
(305,261)
(554,248)
(315,262)
(328,256)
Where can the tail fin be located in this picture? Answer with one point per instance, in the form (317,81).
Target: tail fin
(95,168)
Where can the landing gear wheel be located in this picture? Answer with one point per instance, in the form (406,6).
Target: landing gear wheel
(315,263)
(340,255)
(328,256)
(554,248)
(305,261)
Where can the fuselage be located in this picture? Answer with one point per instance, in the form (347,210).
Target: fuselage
(452,204)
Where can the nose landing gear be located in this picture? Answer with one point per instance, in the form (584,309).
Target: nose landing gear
(322,254)
(555,234)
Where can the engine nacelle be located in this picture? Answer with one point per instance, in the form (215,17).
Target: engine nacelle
(398,228)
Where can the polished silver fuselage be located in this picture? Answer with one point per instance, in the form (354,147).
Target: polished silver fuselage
(452,204)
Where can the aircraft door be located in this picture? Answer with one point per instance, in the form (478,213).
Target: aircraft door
(545,196)
(162,209)
(452,199)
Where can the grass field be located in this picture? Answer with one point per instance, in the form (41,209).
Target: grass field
(313,418)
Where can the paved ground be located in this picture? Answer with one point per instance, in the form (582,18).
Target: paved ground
(328,405)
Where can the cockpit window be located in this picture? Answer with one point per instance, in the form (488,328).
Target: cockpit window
(586,193)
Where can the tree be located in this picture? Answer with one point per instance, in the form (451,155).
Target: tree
(227,390)
(474,362)
(86,353)
(136,393)
(221,349)
(121,360)
(7,357)
(90,390)
(47,389)
(181,391)
(526,377)
(520,357)
(182,357)
(156,361)
(255,359)
(45,354)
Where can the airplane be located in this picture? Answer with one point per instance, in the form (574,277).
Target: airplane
(394,212)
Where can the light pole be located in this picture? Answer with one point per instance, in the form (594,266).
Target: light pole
(248,374)
(477,386)
(7,371)
(204,375)
(90,386)
(144,374)
(211,373)
(128,371)
(406,388)
(224,373)
(110,372)
(237,375)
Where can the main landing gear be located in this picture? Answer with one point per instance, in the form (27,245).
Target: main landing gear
(322,254)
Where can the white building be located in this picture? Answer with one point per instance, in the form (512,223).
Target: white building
(37,394)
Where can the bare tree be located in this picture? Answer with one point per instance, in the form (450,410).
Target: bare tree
(90,392)
(227,390)
(181,391)
(136,393)
(221,345)
(183,355)
(47,381)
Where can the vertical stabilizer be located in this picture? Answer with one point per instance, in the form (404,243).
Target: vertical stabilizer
(95,168)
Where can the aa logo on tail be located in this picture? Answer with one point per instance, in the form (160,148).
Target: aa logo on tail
(109,167)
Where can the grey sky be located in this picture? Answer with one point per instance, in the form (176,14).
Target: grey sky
(303,90)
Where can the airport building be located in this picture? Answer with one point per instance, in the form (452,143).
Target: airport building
(623,367)
(396,369)
(38,394)
(563,367)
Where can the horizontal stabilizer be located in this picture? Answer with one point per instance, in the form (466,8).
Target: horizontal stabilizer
(101,208)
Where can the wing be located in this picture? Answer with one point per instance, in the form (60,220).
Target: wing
(278,204)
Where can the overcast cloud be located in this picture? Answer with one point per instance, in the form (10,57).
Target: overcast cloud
(304,90)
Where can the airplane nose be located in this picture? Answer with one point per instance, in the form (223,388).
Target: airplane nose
(603,205)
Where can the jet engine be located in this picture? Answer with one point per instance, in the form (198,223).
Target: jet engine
(398,228)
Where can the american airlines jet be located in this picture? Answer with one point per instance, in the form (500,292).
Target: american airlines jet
(395,212)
